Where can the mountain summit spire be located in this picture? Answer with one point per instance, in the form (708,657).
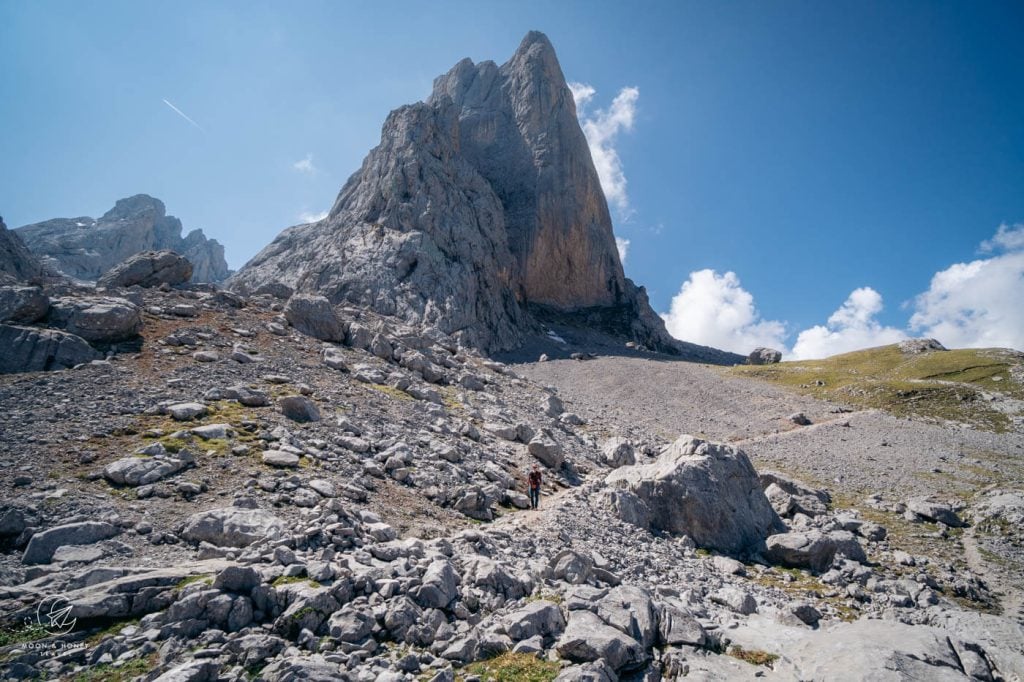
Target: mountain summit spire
(480,209)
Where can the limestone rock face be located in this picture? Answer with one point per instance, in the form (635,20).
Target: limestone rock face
(148,269)
(17,264)
(27,349)
(478,208)
(85,248)
(518,128)
(708,491)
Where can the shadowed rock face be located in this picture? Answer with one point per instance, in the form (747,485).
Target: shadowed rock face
(518,129)
(476,205)
(16,262)
(85,248)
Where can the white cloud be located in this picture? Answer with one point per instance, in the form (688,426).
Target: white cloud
(1006,238)
(601,130)
(715,310)
(307,217)
(978,304)
(852,327)
(581,94)
(623,246)
(305,165)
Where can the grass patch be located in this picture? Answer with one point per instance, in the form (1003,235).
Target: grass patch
(110,631)
(512,667)
(752,656)
(390,391)
(21,634)
(122,673)
(283,580)
(552,597)
(939,385)
(185,582)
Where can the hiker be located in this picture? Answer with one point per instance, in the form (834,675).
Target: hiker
(534,480)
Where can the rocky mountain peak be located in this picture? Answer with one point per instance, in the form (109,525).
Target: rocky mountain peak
(479,213)
(16,262)
(85,248)
(138,206)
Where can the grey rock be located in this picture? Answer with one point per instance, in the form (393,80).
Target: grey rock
(918,346)
(505,209)
(736,599)
(17,263)
(351,624)
(540,617)
(192,671)
(142,470)
(26,349)
(148,269)
(439,587)
(764,356)
(677,626)
(84,248)
(708,491)
(314,316)
(588,638)
(186,411)
(617,452)
(23,305)
(103,320)
(232,526)
(937,512)
(299,408)
(810,549)
(42,546)
(596,671)
(548,452)
(277,458)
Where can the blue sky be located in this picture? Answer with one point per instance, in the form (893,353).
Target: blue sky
(812,149)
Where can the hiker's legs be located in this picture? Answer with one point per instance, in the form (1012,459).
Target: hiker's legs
(534,497)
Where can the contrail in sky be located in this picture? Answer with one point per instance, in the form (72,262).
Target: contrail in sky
(184,115)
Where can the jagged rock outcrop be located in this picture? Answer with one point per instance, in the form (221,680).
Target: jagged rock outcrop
(17,264)
(85,248)
(25,349)
(709,491)
(480,209)
(148,269)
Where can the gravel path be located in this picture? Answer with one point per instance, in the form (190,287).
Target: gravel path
(855,453)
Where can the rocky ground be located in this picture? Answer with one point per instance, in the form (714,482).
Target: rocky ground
(249,488)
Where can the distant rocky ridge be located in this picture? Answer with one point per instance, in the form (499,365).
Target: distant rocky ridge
(84,248)
(16,262)
(479,213)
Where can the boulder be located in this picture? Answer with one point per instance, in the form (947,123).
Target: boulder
(232,526)
(936,512)
(809,549)
(547,451)
(708,491)
(42,546)
(764,356)
(23,305)
(918,346)
(439,587)
(299,408)
(617,452)
(148,269)
(539,617)
(314,316)
(98,320)
(281,460)
(588,638)
(84,248)
(25,349)
(143,470)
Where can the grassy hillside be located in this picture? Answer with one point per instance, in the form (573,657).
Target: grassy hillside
(954,385)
